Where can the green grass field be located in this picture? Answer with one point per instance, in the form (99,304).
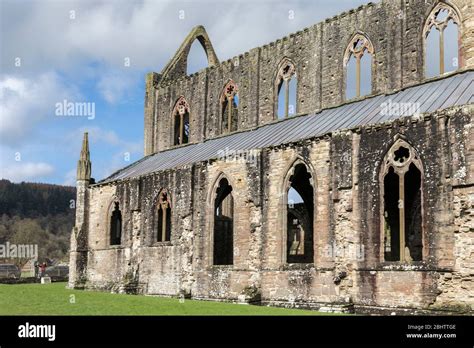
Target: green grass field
(55,299)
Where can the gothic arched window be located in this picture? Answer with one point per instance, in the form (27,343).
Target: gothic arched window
(442,37)
(401,193)
(116,225)
(229,107)
(224,224)
(286,84)
(358,67)
(181,121)
(299,211)
(163,221)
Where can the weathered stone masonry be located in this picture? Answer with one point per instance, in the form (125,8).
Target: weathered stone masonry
(394,27)
(344,166)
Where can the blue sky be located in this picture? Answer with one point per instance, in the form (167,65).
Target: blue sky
(98,53)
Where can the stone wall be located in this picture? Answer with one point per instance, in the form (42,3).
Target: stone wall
(348,266)
(345,167)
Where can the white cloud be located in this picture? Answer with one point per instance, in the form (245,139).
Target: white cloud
(147,32)
(27,171)
(25,102)
(114,85)
(99,32)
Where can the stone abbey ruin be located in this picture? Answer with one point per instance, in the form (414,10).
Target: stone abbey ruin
(328,169)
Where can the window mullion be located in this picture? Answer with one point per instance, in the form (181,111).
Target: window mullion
(181,128)
(401,210)
(163,225)
(229,114)
(358,75)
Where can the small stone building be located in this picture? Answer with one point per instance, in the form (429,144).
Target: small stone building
(325,169)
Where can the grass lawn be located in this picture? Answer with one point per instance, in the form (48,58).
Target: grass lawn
(55,299)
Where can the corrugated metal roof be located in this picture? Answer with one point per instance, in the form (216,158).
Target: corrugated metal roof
(439,94)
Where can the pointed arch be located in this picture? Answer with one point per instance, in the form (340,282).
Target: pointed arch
(178,64)
(285,89)
(289,170)
(442,19)
(162,210)
(298,215)
(222,223)
(211,188)
(114,222)
(196,59)
(180,117)
(401,204)
(229,102)
(358,49)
